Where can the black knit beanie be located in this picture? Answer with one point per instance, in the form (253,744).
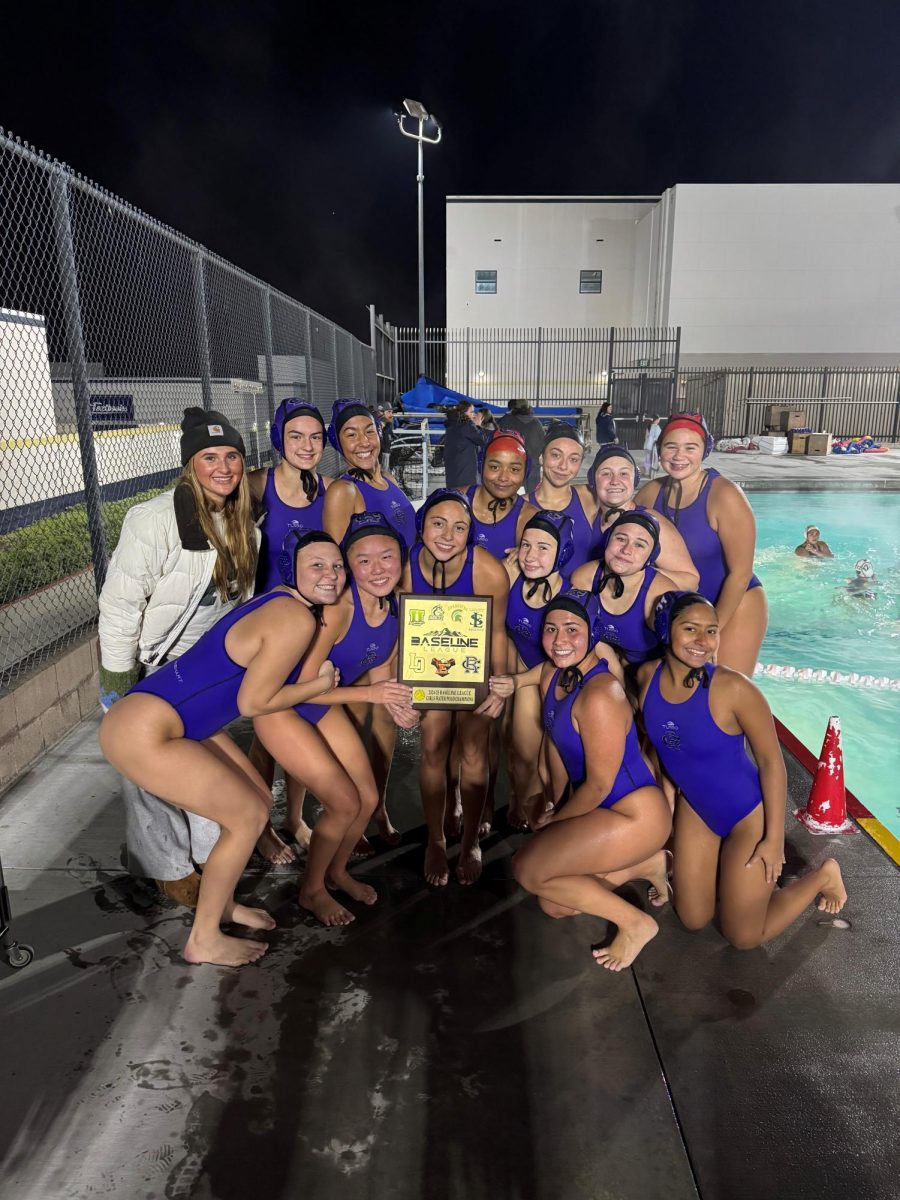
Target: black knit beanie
(204,427)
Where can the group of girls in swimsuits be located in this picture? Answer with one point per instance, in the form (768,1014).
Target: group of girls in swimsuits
(594,616)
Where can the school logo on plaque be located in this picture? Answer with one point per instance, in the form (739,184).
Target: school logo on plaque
(445,650)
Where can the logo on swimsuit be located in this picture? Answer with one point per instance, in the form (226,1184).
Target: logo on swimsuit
(671,736)
(471,664)
(437,613)
(399,512)
(610,634)
(370,655)
(549,714)
(481,539)
(523,626)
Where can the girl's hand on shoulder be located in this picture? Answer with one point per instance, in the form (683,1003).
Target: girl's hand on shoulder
(770,852)
(330,675)
(502,685)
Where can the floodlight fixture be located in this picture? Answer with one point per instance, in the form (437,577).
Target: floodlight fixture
(416,109)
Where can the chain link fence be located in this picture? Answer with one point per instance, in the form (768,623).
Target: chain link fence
(110,325)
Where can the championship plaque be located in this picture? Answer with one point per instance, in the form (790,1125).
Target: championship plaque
(445,649)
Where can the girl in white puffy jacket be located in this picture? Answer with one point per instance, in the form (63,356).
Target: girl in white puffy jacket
(183,560)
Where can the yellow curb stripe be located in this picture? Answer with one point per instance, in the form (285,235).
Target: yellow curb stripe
(56,439)
(885,839)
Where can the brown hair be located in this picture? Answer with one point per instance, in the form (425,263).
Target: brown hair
(236,550)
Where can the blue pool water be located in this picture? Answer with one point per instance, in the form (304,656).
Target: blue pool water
(813,622)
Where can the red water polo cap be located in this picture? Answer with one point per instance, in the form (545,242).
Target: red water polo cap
(506,441)
(692,421)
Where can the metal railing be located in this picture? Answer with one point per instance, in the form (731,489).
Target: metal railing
(110,325)
(844,401)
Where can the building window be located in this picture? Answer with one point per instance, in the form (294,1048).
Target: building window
(485,283)
(590,282)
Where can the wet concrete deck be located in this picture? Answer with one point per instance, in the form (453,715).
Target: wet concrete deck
(448,1044)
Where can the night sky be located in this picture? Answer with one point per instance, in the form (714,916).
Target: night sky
(265,130)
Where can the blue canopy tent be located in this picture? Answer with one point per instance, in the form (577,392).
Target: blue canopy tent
(428,395)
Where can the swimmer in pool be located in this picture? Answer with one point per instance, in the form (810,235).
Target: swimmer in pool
(864,582)
(813,546)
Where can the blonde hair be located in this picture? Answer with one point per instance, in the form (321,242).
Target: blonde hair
(236,550)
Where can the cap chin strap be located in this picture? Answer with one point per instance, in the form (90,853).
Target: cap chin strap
(361,475)
(314,606)
(543,581)
(614,511)
(496,504)
(572,677)
(618,587)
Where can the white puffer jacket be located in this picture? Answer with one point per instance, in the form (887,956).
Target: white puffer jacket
(159,571)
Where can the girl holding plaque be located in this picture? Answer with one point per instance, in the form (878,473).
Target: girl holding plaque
(445,562)
(610,820)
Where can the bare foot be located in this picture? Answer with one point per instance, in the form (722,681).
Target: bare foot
(362,850)
(252,918)
(628,943)
(468,866)
(834,894)
(386,830)
(487,818)
(223,951)
(660,890)
(324,906)
(437,871)
(274,850)
(354,888)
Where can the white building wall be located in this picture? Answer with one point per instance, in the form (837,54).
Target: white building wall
(539,246)
(809,271)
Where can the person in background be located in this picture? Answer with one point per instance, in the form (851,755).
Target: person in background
(486,420)
(864,582)
(184,560)
(462,441)
(386,413)
(606,425)
(521,419)
(813,546)
(651,437)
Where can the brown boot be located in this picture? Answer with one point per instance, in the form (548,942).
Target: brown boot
(182,891)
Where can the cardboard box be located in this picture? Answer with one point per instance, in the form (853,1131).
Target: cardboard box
(773,415)
(798,442)
(792,419)
(818,443)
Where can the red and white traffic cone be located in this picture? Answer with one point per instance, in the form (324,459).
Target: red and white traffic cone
(826,809)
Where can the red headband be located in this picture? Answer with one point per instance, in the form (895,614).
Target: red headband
(506,442)
(685,421)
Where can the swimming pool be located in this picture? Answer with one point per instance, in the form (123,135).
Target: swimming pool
(813,622)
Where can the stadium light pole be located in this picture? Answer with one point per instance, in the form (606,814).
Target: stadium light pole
(420,115)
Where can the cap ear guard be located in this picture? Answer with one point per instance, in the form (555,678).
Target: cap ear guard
(438,496)
(611,450)
(295,539)
(667,608)
(293,406)
(564,529)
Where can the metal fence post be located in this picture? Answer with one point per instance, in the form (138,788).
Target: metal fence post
(610,363)
(674,395)
(896,430)
(202,328)
(65,249)
(747,409)
(265,295)
(310,391)
(537,367)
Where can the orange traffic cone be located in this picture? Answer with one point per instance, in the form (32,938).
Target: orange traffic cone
(826,809)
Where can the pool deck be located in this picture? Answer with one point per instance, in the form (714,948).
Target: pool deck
(791,472)
(449,1044)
